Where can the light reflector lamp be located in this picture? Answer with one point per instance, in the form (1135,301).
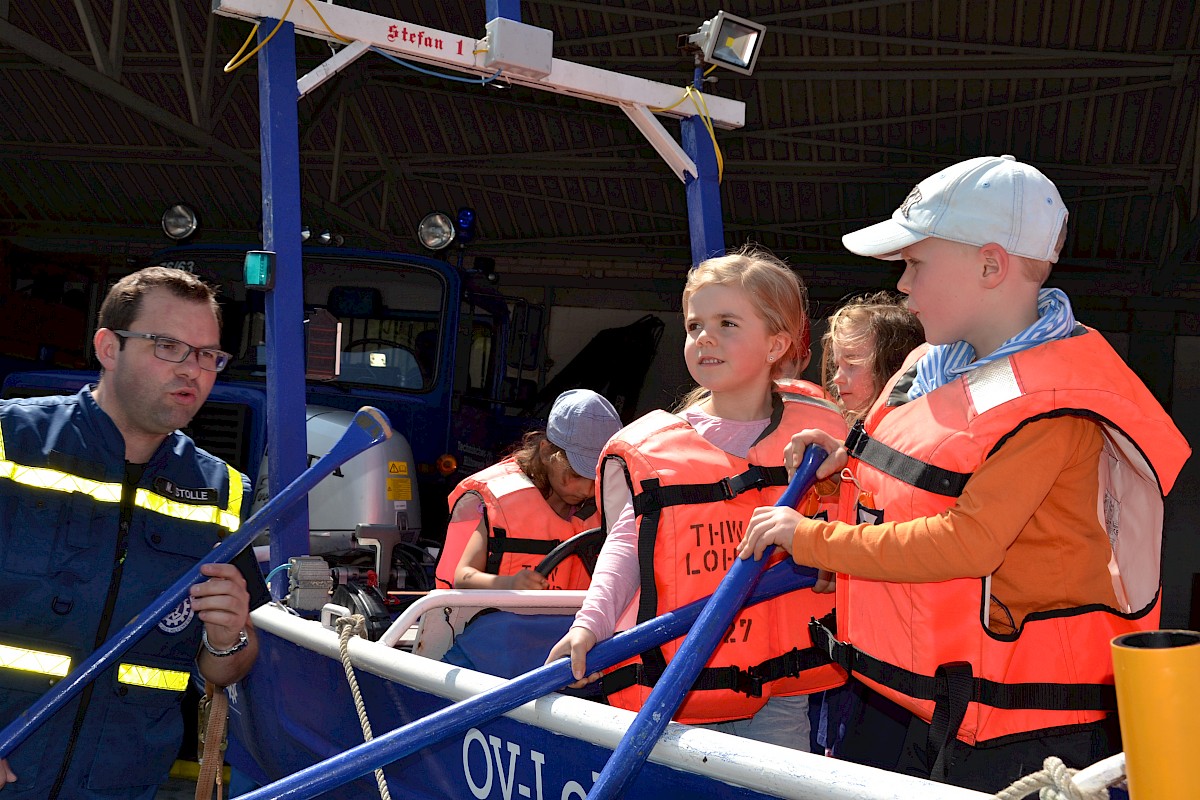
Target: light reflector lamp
(436,231)
(730,41)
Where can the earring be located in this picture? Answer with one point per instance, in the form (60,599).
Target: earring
(770,358)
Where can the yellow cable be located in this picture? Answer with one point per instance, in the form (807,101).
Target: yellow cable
(323,22)
(710,69)
(687,91)
(239,58)
(707,119)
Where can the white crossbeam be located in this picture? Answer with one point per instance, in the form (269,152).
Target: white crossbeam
(450,50)
(675,156)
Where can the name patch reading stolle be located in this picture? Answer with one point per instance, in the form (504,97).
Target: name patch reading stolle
(168,488)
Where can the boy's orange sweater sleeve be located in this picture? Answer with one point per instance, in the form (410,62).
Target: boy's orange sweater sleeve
(1027,516)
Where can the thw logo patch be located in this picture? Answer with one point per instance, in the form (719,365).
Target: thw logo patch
(177,618)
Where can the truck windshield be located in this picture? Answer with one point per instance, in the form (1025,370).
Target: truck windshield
(391,316)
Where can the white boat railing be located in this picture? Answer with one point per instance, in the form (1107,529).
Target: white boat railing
(432,634)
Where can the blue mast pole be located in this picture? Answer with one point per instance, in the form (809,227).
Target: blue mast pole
(703,191)
(287,453)
(508,9)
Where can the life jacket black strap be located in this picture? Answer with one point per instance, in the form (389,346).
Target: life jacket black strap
(911,471)
(952,695)
(790,664)
(732,678)
(500,543)
(654,497)
(1041,696)
(747,681)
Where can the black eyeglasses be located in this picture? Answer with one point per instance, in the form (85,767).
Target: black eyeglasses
(175,351)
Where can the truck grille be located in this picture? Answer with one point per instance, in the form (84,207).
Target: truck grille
(220,429)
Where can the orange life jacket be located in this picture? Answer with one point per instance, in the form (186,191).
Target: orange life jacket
(927,645)
(522,528)
(692,502)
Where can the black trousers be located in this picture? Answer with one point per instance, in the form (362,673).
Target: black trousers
(883,734)
(993,767)
(875,728)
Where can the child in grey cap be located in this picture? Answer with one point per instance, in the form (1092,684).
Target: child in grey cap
(505,518)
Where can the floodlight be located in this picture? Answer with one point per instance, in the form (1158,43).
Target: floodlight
(180,221)
(436,231)
(729,41)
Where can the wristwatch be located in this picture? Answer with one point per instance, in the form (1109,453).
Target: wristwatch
(242,641)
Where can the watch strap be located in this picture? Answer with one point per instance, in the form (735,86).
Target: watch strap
(242,641)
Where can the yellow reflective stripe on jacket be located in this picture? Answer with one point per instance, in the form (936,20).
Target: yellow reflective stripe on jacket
(171,680)
(39,661)
(43,478)
(173,508)
(58,481)
(234,510)
(57,665)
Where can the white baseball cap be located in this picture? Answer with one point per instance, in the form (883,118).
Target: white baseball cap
(977,201)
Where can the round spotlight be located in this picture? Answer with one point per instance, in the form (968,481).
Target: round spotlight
(325,237)
(305,233)
(180,221)
(436,231)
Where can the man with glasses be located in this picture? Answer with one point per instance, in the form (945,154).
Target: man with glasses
(104,503)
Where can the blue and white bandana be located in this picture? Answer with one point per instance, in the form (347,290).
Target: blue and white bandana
(945,362)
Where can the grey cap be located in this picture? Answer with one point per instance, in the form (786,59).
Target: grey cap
(581,423)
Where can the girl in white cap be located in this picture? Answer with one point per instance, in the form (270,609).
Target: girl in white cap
(677,490)
(505,518)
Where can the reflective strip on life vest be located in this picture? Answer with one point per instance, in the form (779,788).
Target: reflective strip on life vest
(57,665)
(58,481)
(171,680)
(38,661)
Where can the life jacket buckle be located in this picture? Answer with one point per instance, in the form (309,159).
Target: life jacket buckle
(823,639)
(753,478)
(856,439)
(746,682)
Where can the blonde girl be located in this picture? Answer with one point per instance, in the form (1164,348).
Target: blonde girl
(678,488)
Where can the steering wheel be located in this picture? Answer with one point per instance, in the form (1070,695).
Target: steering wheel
(584,546)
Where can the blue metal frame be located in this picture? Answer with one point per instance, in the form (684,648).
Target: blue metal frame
(508,9)
(284,308)
(704,191)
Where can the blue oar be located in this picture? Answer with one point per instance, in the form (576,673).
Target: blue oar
(693,653)
(433,728)
(368,428)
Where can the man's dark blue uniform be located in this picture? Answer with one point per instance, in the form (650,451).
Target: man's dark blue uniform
(63,550)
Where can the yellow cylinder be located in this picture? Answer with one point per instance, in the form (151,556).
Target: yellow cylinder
(1158,699)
